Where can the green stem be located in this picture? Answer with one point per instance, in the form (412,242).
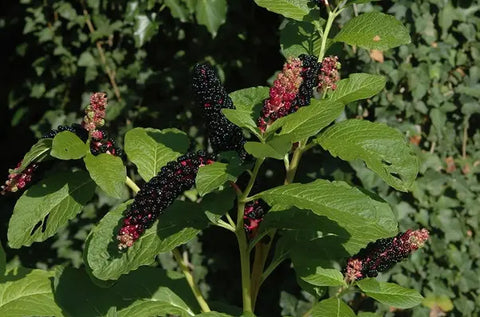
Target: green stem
(331,17)
(191,282)
(292,168)
(247,190)
(130,183)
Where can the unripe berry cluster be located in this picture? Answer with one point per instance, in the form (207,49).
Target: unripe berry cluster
(95,112)
(18,181)
(329,75)
(159,193)
(383,254)
(212,97)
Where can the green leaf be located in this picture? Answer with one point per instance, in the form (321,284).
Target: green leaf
(293,9)
(108,172)
(68,146)
(325,277)
(307,121)
(298,38)
(332,307)
(145,28)
(384,150)
(390,294)
(151,149)
(177,9)
(213,314)
(242,119)
(37,153)
(365,217)
(211,13)
(146,292)
(212,176)
(30,295)
(358,86)
(177,225)
(375,31)
(3,260)
(250,99)
(47,206)
(277,148)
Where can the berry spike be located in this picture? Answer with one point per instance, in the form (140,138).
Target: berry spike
(383,254)
(101,143)
(253,216)
(18,181)
(159,193)
(212,97)
(74,128)
(292,89)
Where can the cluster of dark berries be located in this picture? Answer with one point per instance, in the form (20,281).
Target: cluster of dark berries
(293,88)
(383,254)
(159,193)
(212,97)
(253,216)
(17,181)
(75,128)
(101,143)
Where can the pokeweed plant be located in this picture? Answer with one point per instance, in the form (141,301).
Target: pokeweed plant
(337,236)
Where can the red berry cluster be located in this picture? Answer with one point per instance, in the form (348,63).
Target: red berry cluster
(383,254)
(212,97)
(101,143)
(159,193)
(329,75)
(292,89)
(18,181)
(253,216)
(95,112)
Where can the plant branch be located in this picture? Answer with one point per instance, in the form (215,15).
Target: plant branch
(464,140)
(331,17)
(190,280)
(101,53)
(130,183)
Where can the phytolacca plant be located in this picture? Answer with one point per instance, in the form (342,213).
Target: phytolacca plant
(335,234)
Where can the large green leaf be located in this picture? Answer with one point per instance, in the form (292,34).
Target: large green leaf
(37,153)
(30,295)
(325,277)
(151,149)
(358,86)
(332,307)
(307,121)
(242,119)
(294,9)
(108,172)
(365,217)
(374,30)
(276,148)
(68,146)
(250,99)
(298,38)
(384,150)
(179,224)
(211,13)
(390,294)
(146,292)
(47,206)
(212,176)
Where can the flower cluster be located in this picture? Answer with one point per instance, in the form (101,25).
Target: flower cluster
(18,180)
(253,216)
(212,97)
(329,75)
(293,88)
(383,254)
(159,193)
(95,112)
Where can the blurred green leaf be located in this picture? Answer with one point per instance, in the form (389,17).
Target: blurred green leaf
(211,13)
(332,307)
(294,9)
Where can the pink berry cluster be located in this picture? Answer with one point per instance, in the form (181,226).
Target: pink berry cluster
(159,193)
(329,75)
(95,113)
(253,216)
(18,181)
(383,254)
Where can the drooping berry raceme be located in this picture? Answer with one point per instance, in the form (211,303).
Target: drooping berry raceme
(293,88)
(212,97)
(383,254)
(17,181)
(329,75)
(159,193)
(74,128)
(95,112)
(101,143)
(253,216)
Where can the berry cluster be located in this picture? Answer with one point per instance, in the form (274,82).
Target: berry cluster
(212,97)
(18,181)
(253,216)
(74,128)
(292,89)
(159,193)
(101,143)
(383,254)
(329,75)
(95,112)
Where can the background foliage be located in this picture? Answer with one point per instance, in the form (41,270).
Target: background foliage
(57,52)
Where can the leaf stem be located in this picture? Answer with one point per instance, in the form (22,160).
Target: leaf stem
(190,280)
(130,183)
(331,17)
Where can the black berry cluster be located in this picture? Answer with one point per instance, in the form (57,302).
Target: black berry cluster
(253,216)
(101,143)
(159,193)
(76,128)
(212,97)
(310,70)
(383,254)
